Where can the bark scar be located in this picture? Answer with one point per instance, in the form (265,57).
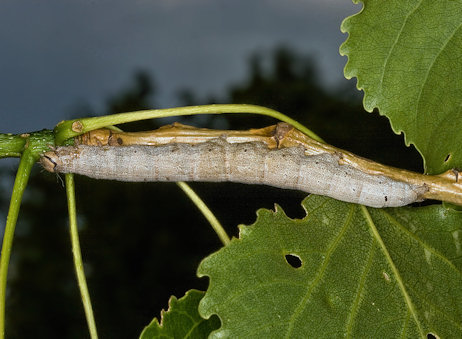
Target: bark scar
(456,173)
(280,132)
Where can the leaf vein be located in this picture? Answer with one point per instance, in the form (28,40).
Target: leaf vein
(356,303)
(397,275)
(431,304)
(428,70)
(392,48)
(405,325)
(331,249)
(420,241)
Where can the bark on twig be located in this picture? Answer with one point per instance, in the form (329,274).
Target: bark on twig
(277,155)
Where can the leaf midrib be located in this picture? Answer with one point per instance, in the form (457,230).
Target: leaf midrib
(320,272)
(394,269)
(423,244)
(392,48)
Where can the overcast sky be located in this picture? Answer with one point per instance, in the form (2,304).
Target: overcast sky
(57,54)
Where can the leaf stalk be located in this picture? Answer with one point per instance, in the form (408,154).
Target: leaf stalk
(20,183)
(77,255)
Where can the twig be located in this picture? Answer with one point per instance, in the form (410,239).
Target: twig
(278,155)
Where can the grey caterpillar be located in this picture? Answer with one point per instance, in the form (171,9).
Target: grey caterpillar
(250,162)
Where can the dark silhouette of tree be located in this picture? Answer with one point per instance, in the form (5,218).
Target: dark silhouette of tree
(142,242)
(137,97)
(291,85)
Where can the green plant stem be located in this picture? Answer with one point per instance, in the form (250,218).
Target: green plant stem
(11,145)
(71,128)
(22,176)
(78,264)
(194,197)
(217,227)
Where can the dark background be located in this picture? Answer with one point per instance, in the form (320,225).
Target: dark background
(57,57)
(142,243)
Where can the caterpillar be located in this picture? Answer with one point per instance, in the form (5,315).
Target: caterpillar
(218,160)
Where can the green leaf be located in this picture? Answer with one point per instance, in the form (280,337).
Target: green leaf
(407,57)
(182,320)
(365,273)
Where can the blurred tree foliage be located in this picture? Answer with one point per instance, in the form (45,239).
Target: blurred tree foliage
(142,242)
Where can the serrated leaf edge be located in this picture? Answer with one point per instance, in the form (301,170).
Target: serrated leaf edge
(353,73)
(173,299)
(350,72)
(320,272)
(379,244)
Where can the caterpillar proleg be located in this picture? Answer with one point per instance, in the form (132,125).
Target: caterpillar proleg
(218,160)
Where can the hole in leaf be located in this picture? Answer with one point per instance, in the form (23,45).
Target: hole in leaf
(432,336)
(293,260)
(447,157)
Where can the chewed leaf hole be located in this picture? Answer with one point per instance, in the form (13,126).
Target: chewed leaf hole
(432,336)
(293,260)
(447,157)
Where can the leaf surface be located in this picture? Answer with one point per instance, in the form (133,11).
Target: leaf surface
(181,320)
(365,273)
(407,58)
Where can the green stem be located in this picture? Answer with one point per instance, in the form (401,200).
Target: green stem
(219,230)
(22,176)
(11,145)
(71,128)
(78,263)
